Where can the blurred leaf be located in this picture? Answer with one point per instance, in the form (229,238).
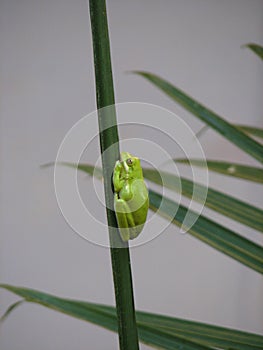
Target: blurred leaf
(91,312)
(245,172)
(210,335)
(157,330)
(250,130)
(210,232)
(218,201)
(89,169)
(258,132)
(10,309)
(223,127)
(257,49)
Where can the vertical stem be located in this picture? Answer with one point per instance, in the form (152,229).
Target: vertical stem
(120,256)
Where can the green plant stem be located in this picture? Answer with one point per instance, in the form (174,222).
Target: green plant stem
(120,256)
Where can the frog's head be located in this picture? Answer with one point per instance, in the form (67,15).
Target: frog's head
(131,164)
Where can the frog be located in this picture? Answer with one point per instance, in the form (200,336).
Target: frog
(131,196)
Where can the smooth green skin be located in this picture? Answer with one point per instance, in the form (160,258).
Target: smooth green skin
(131,200)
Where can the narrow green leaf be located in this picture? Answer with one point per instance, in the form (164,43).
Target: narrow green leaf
(154,329)
(245,172)
(258,132)
(218,201)
(250,130)
(223,127)
(211,335)
(208,231)
(213,234)
(86,168)
(257,49)
(10,309)
(93,313)
(148,324)
(222,203)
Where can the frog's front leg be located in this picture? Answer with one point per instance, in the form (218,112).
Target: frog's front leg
(118,182)
(125,219)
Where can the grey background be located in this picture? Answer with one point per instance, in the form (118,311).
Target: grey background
(47,84)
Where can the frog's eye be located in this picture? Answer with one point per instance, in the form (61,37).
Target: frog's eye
(129,161)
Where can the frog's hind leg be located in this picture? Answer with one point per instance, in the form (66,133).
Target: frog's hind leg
(124,218)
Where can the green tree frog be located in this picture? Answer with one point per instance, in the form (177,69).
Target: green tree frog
(131,200)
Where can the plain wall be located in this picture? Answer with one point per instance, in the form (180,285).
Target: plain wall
(47,85)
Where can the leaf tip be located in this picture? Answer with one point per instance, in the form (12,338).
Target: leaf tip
(46,165)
